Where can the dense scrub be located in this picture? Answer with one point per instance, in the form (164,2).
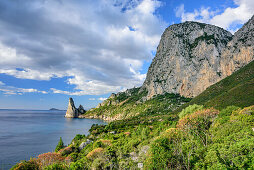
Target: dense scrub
(124,106)
(202,138)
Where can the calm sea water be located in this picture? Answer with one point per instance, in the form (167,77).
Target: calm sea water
(28,133)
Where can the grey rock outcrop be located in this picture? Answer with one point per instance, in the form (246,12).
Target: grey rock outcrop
(81,109)
(83,144)
(71,112)
(192,56)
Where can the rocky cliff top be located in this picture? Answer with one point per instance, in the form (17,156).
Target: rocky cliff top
(191,56)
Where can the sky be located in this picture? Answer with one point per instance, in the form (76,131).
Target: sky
(51,50)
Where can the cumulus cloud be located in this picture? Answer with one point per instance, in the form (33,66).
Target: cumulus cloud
(101,45)
(11,90)
(228,19)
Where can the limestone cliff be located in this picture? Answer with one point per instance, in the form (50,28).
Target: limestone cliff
(191,56)
(71,112)
(239,51)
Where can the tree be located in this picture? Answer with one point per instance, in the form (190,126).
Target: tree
(60,145)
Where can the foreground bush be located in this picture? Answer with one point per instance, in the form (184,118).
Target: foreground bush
(50,158)
(32,164)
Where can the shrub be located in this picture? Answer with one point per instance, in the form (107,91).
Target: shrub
(50,158)
(159,155)
(65,151)
(56,166)
(198,123)
(106,142)
(99,163)
(224,114)
(80,164)
(95,153)
(245,115)
(60,145)
(27,165)
(190,109)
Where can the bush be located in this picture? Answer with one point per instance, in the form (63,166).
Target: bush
(56,166)
(60,145)
(224,114)
(95,153)
(190,109)
(198,123)
(159,155)
(50,158)
(27,165)
(80,164)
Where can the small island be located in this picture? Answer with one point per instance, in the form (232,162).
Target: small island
(54,109)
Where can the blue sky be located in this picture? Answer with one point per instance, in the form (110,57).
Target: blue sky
(53,50)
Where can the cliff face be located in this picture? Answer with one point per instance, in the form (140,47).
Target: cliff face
(71,112)
(239,51)
(192,56)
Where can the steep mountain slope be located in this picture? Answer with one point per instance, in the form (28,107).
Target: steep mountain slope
(192,56)
(187,59)
(236,89)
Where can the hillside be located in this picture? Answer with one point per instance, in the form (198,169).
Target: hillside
(190,58)
(129,104)
(237,90)
(200,139)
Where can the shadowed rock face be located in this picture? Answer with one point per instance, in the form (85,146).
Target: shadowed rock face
(71,112)
(192,56)
(81,109)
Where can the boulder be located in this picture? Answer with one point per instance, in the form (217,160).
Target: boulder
(83,144)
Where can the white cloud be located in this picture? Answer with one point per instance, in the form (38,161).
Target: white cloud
(89,41)
(11,90)
(91,99)
(102,99)
(227,19)
(30,74)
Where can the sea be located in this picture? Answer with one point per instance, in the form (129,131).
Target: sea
(28,133)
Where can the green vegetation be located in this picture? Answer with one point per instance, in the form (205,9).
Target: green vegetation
(208,38)
(236,89)
(212,131)
(202,139)
(125,105)
(60,145)
(189,110)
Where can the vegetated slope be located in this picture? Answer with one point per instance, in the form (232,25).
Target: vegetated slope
(200,139)
(129,104)
(236,89)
